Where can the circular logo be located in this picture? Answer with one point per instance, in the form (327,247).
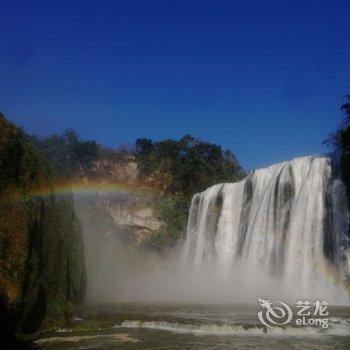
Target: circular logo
(272,316)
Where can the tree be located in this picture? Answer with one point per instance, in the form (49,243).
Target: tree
(340,144)
(68,153)
(346,108)
(181,168)
(185,166)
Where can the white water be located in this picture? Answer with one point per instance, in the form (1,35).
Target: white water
(339,327)
(280,232)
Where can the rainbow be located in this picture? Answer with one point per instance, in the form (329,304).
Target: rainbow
(81,188)
(88,187)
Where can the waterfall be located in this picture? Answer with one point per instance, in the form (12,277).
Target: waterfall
(280,232)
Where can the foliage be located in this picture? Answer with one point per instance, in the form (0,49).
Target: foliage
(173,211)
(41,248)
(180,169)
(185,166)
(70,155)
(177,168)
(89,326)
(340,143)
(59,307)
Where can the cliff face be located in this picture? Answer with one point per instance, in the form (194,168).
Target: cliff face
(117,227)
(135,213)
(42,270)
(122,170)
(130,218)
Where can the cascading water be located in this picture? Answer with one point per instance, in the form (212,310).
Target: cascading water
(280,232)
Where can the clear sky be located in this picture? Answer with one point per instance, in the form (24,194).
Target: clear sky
(262,78)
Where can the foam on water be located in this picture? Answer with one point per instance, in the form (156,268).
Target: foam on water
(339,329)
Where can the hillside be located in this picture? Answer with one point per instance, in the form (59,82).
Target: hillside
(42,273)
(164,174)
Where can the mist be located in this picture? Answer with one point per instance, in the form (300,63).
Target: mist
(213,264)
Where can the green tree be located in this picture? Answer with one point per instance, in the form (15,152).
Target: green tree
(41,247)
(185,166)
(340,144)
(181,168)
(68,153)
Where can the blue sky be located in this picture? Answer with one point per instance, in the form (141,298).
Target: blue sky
(262,78)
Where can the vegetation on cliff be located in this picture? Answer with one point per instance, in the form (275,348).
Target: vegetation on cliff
(176,169)
(340,143)
(42,271)
(181,168)
(185,166)
(67,153)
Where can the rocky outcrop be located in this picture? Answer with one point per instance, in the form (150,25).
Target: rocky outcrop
(117,226)
(136,214)
(122,169)
(130,218)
